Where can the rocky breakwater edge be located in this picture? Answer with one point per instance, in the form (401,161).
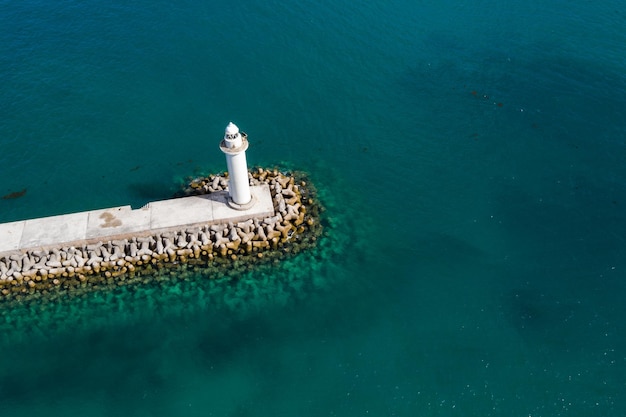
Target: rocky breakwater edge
(222,249)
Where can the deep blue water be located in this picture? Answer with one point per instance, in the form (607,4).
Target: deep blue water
(470,156)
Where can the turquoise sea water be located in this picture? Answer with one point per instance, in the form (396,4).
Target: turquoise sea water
(470,156)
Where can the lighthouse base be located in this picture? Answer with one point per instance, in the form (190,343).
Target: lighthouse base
(231,203)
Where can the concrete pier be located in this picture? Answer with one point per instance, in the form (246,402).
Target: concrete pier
(123,222)
(115,246)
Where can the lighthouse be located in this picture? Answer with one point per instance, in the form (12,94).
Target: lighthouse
(234,145)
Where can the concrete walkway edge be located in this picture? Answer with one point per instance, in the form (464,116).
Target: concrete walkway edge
(124,222)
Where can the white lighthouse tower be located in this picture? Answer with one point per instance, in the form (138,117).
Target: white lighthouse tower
(234,146)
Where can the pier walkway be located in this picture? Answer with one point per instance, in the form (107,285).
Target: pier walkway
(123,222)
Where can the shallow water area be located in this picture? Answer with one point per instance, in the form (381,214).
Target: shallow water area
(190,315)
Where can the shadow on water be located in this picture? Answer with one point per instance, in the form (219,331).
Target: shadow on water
(543,318)
(145,192)
(551,159)
(567,99)
(85,365)
(127,363)
(574,228)
(566,290)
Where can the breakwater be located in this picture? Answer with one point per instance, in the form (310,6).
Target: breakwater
(293,227)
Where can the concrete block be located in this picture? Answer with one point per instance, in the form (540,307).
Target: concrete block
(180,212)
(48,231)
(118,221)
(11,235)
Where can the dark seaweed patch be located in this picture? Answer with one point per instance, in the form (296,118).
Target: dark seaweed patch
(14,194)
